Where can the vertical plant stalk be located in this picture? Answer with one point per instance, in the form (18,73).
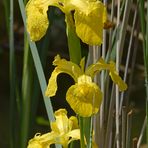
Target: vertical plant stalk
(102,113)
(123,127)
(128,131)
(74,45)
(144,28)
(146,70)
(117,69)
(128,58)
(142,133)
(124,24)
(7,12)
(95,55)
(108,136)
(12,79)
(39,69)
(75,56)
(27,93)
(81,124)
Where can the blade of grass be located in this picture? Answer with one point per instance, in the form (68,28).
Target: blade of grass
(124,24)
(133,62)
(96,52)
(39,69)
(102,113)
(128,130)
(7,12)
(144,28)
(128,58)
(110,119)
(35,98)
(142,133)
(146,70)
(123,127)
(27,93)
(117,69)
(12,70)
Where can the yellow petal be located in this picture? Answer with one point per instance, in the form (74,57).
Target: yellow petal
(89,22)
(62,121)
(65,5)
(68,67)
(97,67)
(117,80)
(101,65)
(82,64)
(41,141)
(62,66)
(37,20)
(52,84)
(74,122)
(74,135)
(84,98)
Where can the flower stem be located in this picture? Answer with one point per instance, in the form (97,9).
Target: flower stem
(75,56)
(73,41)
(81,124)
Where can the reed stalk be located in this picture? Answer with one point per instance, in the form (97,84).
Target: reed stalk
(117,69)
(144,29)
(7,6)
(12,77)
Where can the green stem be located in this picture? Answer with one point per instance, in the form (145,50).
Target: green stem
(75,56)
(12,80)
(6,8)
(82,135)
(88,131)
(73,41)
(27,87)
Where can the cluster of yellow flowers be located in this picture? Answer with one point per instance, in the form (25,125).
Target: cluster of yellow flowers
(64,131)
(89,18)
(84,96)
(85,93)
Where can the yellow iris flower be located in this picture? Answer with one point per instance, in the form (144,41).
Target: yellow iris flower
(84,96)
(89,18)
(64,131)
